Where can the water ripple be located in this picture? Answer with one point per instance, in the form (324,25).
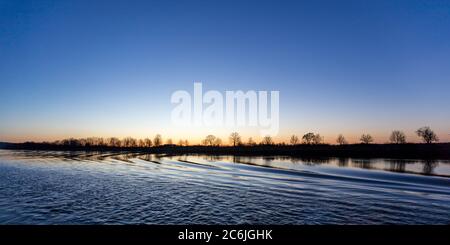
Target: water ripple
(117,188)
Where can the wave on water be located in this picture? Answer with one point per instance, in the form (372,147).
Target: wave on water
(135,188)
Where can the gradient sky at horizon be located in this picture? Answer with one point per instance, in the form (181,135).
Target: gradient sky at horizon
(108,68)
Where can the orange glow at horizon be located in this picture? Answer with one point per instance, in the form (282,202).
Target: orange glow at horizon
(197,137)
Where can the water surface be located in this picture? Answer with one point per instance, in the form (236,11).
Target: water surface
(45,187)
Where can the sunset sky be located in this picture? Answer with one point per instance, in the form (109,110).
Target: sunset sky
(108,68)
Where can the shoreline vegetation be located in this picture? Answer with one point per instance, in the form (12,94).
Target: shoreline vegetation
(404,151)
(311,145)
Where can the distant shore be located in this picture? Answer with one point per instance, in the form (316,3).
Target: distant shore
(404,151)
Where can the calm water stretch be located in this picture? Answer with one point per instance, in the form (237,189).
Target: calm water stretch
(114,188)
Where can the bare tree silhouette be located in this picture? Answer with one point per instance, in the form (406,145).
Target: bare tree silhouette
(366,139)
(217,142)
(210,140)
(311,138)
(341,140)
(157,141)
(427,135)
(318,139)
(148,142)
(70,142)
(114,142)
(267,140)
(235,139)
(397,137)
(251,142)
(92,141)
(82,142)
(129,142)
(308,138)
(294,140)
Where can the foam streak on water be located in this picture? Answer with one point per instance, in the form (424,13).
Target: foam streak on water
(115,188)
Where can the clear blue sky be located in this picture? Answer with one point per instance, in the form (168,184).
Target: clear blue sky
(108,68)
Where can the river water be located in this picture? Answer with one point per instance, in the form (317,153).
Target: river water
(46,187)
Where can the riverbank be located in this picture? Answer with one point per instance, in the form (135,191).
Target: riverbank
(404,151)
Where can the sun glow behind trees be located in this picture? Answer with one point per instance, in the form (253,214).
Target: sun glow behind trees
(397,137)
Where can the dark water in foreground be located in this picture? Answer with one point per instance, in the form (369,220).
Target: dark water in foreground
(104,188)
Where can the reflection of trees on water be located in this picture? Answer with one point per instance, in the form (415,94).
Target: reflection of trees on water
(213,158)
(251,161)
(315,161)
(268,160)
(363,163)
(429,166)
(146,157)
(397,165)
(237,159)
(394,165)
(343,162)
(125,157)
(310,160)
